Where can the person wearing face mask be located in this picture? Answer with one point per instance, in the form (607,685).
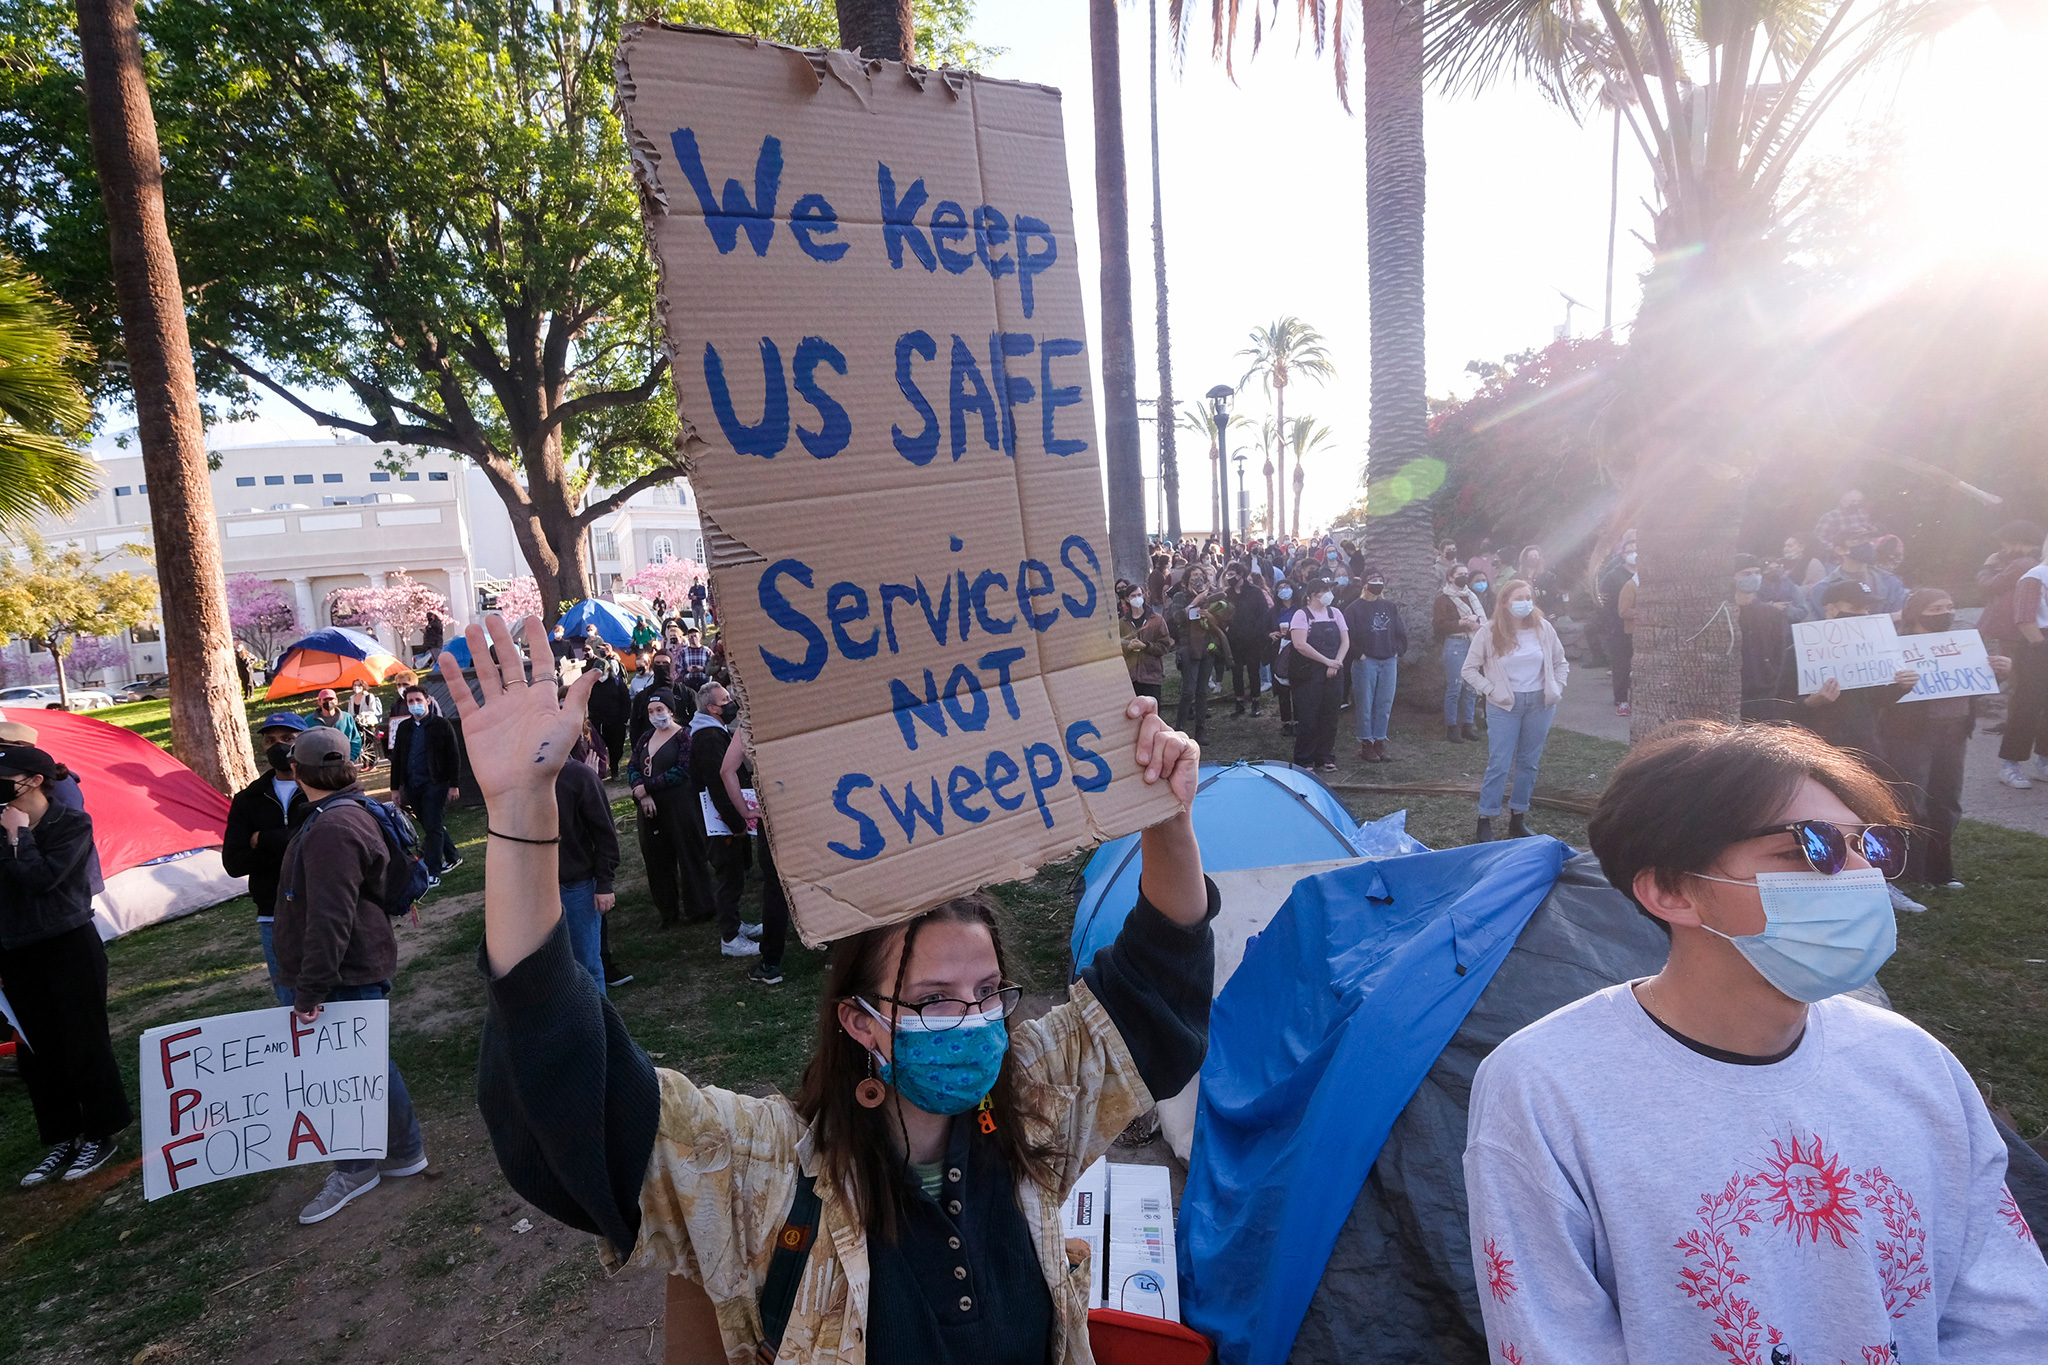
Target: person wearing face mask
(662,679)
(730,854)
(1766,640)
(611,708)
(1518,666)
(1146,641)
(1378,639)
(1320,640)
(330,715)
(1457,616)
(1624,658)
(1623,1152)
(1199,616)
(426,765)
(1847,719)
(368,714)
(54,970)
(1617,569)
(261,820)
(1281,651)
(916,1179)
(671,843)
(1251,615)
(1925,745)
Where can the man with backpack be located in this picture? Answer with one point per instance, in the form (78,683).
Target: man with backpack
(334,937)
(425,767)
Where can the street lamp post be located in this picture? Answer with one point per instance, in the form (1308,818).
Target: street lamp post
(1219,407)
(1244,505)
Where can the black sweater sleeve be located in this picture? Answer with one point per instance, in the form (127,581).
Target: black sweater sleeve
(570,1100)
(1156,981)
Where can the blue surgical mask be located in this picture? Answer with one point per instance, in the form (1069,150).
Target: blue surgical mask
(1521,607)
(418,708)
(1822,935)
(947,1071)
(1286,593)
(1749,582)
(1479,585)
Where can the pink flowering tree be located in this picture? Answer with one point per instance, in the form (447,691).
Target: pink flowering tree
(403,604)
(518,599)
(670,581)
(259,614)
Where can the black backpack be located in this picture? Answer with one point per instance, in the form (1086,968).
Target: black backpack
(406,879)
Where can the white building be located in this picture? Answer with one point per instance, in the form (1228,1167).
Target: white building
(315,516)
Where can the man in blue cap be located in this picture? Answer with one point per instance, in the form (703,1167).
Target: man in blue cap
(261,821)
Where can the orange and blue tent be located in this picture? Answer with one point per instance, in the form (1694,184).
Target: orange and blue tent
(334,657)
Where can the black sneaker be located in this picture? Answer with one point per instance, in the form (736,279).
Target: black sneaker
(451,866)
(59,1157)
(765,974)
(93,1153)
(622,979)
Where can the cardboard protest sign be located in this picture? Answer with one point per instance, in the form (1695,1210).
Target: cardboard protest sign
(254,1091)
(1860,651)
(871,296)
(1951,663)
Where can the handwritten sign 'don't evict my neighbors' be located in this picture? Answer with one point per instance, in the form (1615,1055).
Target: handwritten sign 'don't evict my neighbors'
(240,1093)
(1859,651)
(871,293)
(1951,663)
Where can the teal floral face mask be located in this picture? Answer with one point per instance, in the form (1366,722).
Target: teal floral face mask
(947,1071)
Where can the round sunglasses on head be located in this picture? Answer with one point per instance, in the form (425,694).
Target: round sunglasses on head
(1826,845)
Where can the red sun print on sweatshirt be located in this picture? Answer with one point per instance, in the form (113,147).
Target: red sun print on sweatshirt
(1500,1273)
(1807,1191)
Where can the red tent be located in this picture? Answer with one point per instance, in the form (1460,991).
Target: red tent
(147,808)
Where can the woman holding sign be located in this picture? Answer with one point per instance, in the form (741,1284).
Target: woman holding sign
(1925,743)
(906,1205)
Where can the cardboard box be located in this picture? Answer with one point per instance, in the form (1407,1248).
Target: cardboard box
(1125,1214)
(871,295)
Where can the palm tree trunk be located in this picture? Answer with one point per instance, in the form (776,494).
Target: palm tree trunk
(1299,479)
(1163,410)
(1280,426)
(878,28)
(1398,541)
(208,731)
(1119,339)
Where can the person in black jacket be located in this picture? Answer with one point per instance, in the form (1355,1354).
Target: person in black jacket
(671,843)
(261,821)
(682,700)
(64,793)
(611,706)
(730,853)
(425,767)
(1846,717)
(55,971)
(590,855)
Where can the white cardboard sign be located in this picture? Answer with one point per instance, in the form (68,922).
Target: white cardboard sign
(1951,663)
(1858,651)
(240,1093)
(1124,1213)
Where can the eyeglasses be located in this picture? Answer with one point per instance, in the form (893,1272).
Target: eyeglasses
(1826,845)
(940,1015)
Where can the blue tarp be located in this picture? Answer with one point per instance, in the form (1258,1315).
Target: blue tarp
(338,640)
(614,623)
(1315,1046)
(1246,815)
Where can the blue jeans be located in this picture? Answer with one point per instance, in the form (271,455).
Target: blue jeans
(1456,694)
(1372,694)
(277,986)
(586,927)
(402,1136)
(1514,739)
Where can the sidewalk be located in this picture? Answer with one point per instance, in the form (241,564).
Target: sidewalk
(1588,708)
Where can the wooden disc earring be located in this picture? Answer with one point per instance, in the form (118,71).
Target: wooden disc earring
(870,1093)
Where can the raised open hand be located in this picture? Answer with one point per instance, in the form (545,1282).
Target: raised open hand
(518,736)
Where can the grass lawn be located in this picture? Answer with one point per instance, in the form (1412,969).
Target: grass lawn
(437,1268)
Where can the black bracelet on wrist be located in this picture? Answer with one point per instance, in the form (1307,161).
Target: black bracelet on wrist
(517,840)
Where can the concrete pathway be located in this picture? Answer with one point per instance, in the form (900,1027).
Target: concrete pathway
(1588,707)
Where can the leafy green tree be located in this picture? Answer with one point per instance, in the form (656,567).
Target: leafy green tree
(44,411)
(55,595)
(426,204)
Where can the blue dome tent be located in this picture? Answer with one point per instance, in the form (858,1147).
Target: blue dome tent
(1266,814)
(614,623)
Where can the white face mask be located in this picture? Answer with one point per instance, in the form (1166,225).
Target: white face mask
(660,721)
(1137,603)
(1327,598)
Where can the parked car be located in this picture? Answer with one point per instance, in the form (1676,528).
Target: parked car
(44,696)
(148,687)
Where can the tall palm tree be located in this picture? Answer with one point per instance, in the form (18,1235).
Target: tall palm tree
(1399,534)
(1279,354)
(1306,435)
(43,408)
(1721,101)
(878,28)
(1121,455)
(1169,458)
(208,729)
(1198,419)
(1269,437)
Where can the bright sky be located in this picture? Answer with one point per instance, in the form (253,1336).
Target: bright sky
(1265,206)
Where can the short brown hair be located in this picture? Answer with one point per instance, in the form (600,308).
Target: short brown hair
(1695,787)
(327,777)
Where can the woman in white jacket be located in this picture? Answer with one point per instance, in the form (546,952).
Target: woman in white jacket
(1518,666)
